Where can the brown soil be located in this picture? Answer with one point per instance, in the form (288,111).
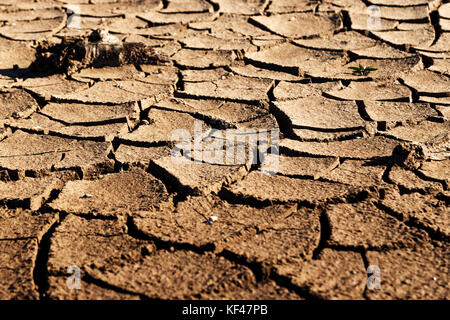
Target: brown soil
(87,177)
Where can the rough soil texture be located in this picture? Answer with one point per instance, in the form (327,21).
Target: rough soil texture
(87,177)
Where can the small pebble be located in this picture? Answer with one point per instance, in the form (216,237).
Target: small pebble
(211,219)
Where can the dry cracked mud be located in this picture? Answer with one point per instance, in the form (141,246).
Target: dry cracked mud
(91,108)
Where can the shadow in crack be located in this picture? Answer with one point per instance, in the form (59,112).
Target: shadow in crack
(23,73)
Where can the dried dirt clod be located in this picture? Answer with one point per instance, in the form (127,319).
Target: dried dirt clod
(393,112)
(292,90)
(408,155)
(323,113)
(16,103)
(294,237)
(86,242)
(41,153)
(364,225)
(140,156)
(264,188)
(195,177)
(411,182)
(29,192)
(20,223)
(437,170)
(306,166)
(363,148)
(333,275)
(260,291)
(357,172)
(112,194)
(188,222)
(409,274)
(299,25)
(177,274)
(432,138)
(424,211)
(435,149)
(16,269)
(98,49)
(88,290)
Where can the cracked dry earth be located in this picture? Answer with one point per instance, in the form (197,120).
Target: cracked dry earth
(87,179)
